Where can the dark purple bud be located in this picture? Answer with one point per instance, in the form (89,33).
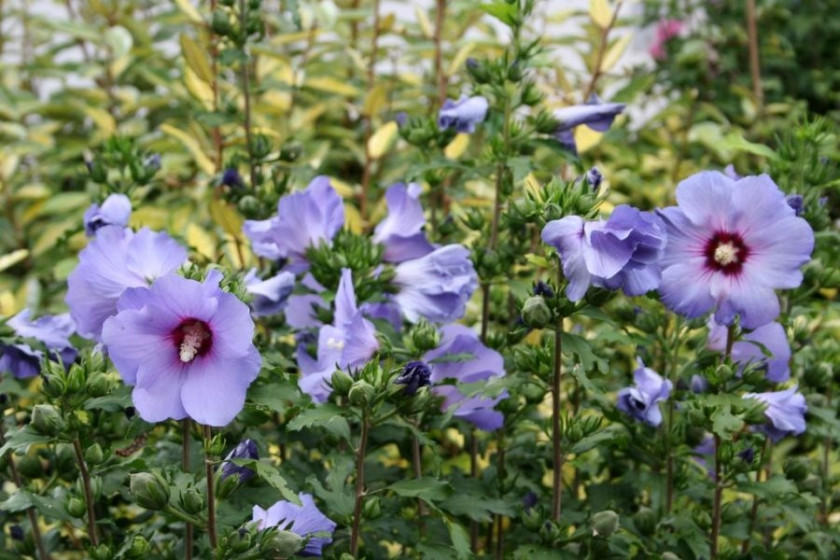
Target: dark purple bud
(232,179)
(699,384)
(401,118)
(594,178)
(795,202)
(747,455)
(16,532)
(129,412)
(529,500)
(414,375)
(152,162)
(543,289)
(246,449)
(4,398)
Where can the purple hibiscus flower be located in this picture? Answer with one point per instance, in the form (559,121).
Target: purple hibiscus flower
(730,245)
(436,286)
(115,211)
(621,252)
(246,449)
(595,114)
(304,219)
(401,232)
(346,344)
(270,296)
(304,520)
(54,331)
(642,400)
(750,350)
(186,347)
(483,365)
(301,308)
(464,114)
(785,412)
(116,259)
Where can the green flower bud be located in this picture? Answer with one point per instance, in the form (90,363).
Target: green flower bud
(531,96)
(225,486)
(812,483)
(220,23)
(239,541)
(30,466)
(192,501)
(372,509)
(249,205)
(473,219)
(341,383)
(670,556)
(361,393)
(536,312)
(94,454)
(702,519)
(98,172)
(76,508)
(532,519)
(139,547)
(645,521)
(605,523)
(98,385)
(732,512)
(102,552)
(533,393)
(279,545)
(54,384)
(75,379)
(150,490)
(46,420)
(425,337)
(796,468)
(478,70)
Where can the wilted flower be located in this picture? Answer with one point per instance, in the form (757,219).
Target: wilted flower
(304,219)
(401,232)
(348,343)
(305,520)
(595,114)
(414,375)
(666,30)
(464,114)
(115,211)
(750,350)
(270,296)
(642,400)
(436,286)
(246,449)
(785,412)
(187,349)
(730,245)
(446,362)
(114,260)
(54,331)
(621,252)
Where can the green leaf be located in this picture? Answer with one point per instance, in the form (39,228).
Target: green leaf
(583,350)
(327,416)
(19,439)
(426,488)
(774,488)
(476,507)
(724,423)
(611,432)
(271,475)
(459,537)
(504,12)
(48,506)
(119,399)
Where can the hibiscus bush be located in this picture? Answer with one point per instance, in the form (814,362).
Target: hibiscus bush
(454,280)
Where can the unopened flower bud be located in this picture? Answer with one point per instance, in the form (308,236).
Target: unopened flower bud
(94,454)
(425,337)
(239,541)
(645,521)
(192,501)
(54,384)
(280,544)
(414,375)
(139,548)
(46,420)
(361,393)
(341,383)
(101,552)
(98,385)
(150,490)
(593,179)
(76,508)
(604,523)
(796,468)
(75,378)
(372,508)
(536,312)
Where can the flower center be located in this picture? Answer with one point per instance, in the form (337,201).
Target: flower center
(192,338)
(335,344)
(726,252)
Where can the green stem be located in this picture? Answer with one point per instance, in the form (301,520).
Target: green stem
(185,464)
(745,546)
(211,490)
(91,515)
(185,517)
(556,431)
(360,485)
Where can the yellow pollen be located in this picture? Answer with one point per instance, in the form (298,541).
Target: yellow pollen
(726,254)
(193,339)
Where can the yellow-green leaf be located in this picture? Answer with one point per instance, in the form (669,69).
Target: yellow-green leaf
(10,259)
(423,20)
(353,219)
(457,147)
(331,85)
(460,58)
(102,119)
(201,241)
(189,10)
(601,13)
(614,54)
(586,138)
(226,217)
(382,140)
(198,88)
(375,100)
(196,59)
(192,145)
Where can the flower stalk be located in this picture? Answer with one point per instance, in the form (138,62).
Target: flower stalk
(185,465)
(211,488)
(556,428)
(91,515)
(360,484)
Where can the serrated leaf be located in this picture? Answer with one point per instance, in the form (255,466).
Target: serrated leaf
(590,442)
(382,140)
(460,539)
(270,475)
(426,488)
(19,439)
(196,59)
(600,12)
(724,423)
(326,416)
(614,54)
(476,507)
(49,507)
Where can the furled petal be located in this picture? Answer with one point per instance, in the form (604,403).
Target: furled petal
(115,211)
